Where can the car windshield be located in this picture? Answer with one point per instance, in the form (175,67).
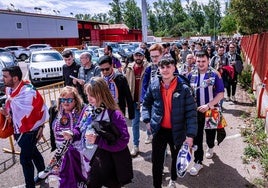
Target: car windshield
(6,58)
(46,57)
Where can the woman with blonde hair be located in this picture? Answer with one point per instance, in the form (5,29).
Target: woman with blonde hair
(68,164)
(111,164)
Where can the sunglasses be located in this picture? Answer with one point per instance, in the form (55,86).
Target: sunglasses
(68,100)
(104,69)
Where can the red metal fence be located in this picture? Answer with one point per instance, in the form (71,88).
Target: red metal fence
(255,47)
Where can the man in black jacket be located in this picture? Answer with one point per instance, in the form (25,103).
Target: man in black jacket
(118,85)
(70,68)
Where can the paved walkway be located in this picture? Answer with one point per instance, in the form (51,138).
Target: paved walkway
(225,169)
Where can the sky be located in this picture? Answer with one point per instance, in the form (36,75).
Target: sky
(66,7)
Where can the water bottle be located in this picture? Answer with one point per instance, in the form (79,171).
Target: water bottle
(89,131)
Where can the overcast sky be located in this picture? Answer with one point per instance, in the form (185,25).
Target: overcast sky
(65,7)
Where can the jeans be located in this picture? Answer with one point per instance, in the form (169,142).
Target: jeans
(30,155)
(136,126)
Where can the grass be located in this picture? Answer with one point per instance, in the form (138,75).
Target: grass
(257,149)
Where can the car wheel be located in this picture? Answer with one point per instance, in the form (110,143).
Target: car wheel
(23,57)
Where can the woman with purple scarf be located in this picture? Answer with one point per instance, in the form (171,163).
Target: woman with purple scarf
(68,163)
(111,164)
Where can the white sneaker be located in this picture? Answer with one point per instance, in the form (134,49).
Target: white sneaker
(209,153)
(233,98)
(195,169)
(149,139)
(134,152)
(172,184)
(228,99)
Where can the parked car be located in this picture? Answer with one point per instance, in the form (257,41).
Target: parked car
(19,52)
(8,58)
(4,50)
(2,86)
(99,52)
(71,49)
(39,47)
(92,48)
(45,65)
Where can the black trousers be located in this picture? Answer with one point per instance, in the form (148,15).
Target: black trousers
(198,140)
(231,86)
(159,145)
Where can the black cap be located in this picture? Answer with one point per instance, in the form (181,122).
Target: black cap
(105,59)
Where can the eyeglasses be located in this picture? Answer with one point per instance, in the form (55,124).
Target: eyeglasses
(68,100)
(104,69)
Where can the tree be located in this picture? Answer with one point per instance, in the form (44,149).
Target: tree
(195,13)
(163,16)
(228,24)
(177,16)
(131,14)
(116,13)
(251,16)
(83,16)
(213,15)
(152,21)
(101,17)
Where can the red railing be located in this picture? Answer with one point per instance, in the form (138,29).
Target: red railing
(255,47)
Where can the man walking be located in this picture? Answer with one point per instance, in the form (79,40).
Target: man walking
(86,71)
(70,68)
(209,90)
(134,74)
(118,85)
(169,111)
(28,112)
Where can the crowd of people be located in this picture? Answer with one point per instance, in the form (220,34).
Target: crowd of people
(168,88)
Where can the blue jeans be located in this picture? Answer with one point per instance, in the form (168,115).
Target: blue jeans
(30,155)
(136,126)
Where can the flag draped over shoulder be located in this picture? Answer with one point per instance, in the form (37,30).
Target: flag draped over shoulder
(27,107)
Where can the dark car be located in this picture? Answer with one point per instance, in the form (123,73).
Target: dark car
(2,87)
(8,58)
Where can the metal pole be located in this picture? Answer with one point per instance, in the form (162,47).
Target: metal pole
(144,20)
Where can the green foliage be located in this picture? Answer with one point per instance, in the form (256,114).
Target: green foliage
(251,151)
(251,16)
(131,14)
(228,24)
(245,78)
(116,12)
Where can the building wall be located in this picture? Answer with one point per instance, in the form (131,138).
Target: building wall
(34,26)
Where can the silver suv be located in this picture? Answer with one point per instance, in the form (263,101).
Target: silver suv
(19,52)
(45,65)
(39,47)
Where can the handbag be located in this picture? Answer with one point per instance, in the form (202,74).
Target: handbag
(6,127)
(214,119)
(107,130)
